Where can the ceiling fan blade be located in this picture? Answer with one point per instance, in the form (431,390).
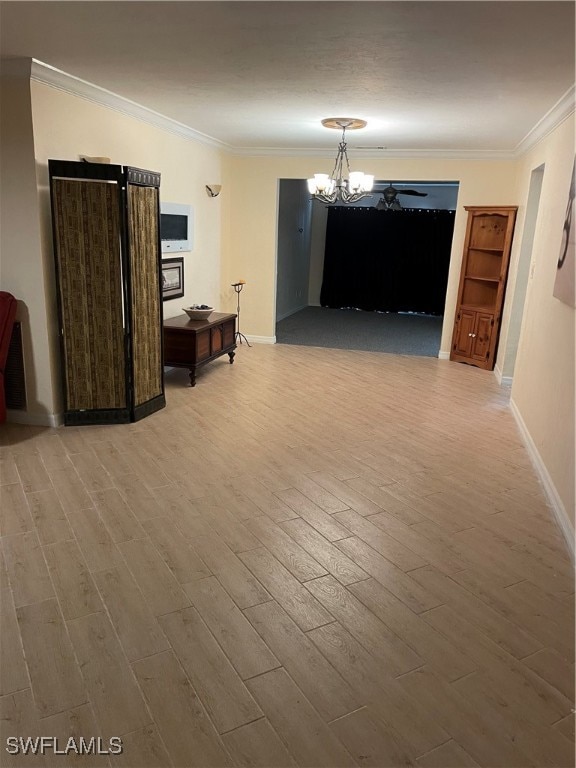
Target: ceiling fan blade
(388,201)
(390,192)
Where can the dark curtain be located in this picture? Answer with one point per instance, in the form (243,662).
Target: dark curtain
(390,261)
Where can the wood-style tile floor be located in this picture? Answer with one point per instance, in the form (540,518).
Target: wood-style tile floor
(313,558)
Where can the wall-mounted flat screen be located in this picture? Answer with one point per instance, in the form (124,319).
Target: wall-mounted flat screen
(176,224)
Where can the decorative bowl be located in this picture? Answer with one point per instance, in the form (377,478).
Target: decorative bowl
(198,312)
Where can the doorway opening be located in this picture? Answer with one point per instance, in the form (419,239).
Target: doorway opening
(365,276)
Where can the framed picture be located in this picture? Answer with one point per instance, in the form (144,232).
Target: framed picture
(172,278)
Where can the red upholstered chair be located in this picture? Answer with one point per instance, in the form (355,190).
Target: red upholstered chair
(8,305)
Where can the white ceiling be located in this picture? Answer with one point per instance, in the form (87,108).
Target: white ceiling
(429,75)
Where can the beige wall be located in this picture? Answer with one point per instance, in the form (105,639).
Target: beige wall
(66,126)
(543,390)
(250,216)
(22,268)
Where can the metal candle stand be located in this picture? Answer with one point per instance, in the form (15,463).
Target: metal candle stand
(239,336)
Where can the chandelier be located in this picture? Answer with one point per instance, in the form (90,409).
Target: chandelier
(338,187)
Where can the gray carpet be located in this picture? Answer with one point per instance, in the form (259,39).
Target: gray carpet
(401,334)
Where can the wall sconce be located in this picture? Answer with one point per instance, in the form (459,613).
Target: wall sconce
(213,190)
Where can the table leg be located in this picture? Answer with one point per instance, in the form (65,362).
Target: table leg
(231,356)
(192,377)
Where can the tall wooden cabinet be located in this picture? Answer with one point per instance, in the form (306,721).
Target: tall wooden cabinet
(482,284)
(107,253)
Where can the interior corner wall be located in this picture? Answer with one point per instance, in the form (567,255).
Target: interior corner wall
(293,253)
(515,295)
(249,242)
(66,126)
(543,389)
(22,268)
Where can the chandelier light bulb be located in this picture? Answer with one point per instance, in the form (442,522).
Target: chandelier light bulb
(322,181)
(368,182)
(356,181)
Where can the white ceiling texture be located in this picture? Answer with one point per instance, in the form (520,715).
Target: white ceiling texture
(428,76)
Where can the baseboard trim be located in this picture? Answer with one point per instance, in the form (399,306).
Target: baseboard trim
(559,512)
(504,381)
(34,419)
(261,339)
(443,355)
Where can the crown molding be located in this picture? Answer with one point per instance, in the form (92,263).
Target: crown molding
(56,78)
(374,154)
(44,73)
(563,108)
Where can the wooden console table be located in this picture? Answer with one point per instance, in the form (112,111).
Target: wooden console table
(193,343)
